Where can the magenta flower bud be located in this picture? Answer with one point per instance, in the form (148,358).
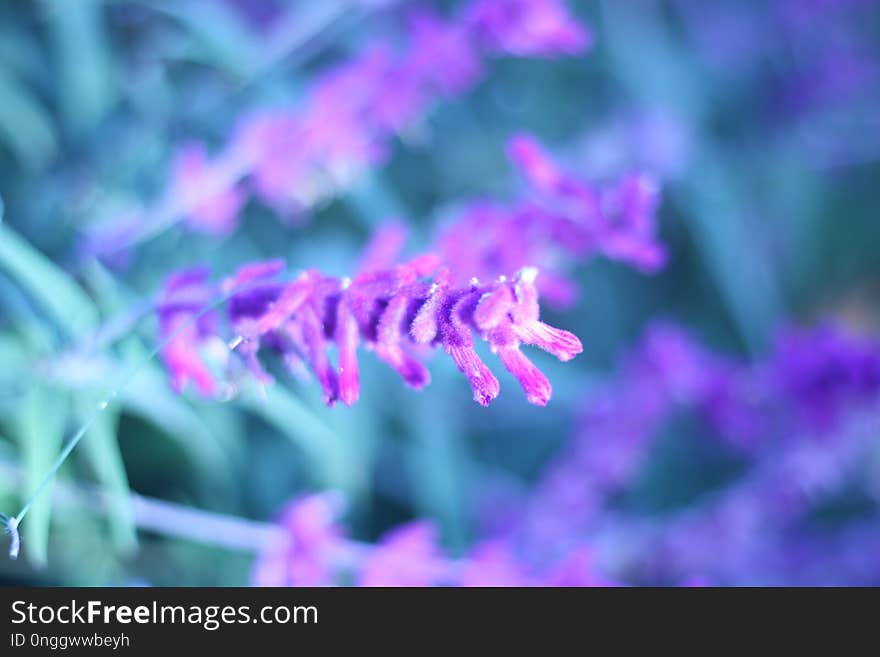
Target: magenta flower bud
(313,335)
(536,386)
(347,339)
(414,374)
(494,307)
(562,344)
(527,308)
(483,383)
(288,302)
(251,273)
(392,322)
(425,325)
(541,172)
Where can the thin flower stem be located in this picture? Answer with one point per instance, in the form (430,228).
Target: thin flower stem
(162,517)
(117,327)
(113,395)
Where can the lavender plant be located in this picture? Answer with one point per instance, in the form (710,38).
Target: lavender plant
(212,210)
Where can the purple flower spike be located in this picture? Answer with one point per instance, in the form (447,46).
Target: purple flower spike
(617,220)
(562,344)
(394,312)
(293,157)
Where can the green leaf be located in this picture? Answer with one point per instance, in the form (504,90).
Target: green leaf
(65,301)
(334,466)
(141,388)
(13,356)
(83,61)
(439,468)
(102,450)
(40,430)
(25,126)
(220,37)
(149,397)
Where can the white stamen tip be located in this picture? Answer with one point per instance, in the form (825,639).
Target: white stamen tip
(14,538)
(528,274)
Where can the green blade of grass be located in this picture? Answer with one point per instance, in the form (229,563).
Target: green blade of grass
(25,126)
(297,422)
(40,429)
(102,449)
(59,295)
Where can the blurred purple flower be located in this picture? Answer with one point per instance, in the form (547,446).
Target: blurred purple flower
(487,239)
(824,373)
(215,211)
(618,220)
(443,57)
(313,540)
(819,383)
(658,141)
(492,564)
(821,90)
(184,297)
(529,27)
(565,218)
(315,552)
(295,157)
(406,556)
